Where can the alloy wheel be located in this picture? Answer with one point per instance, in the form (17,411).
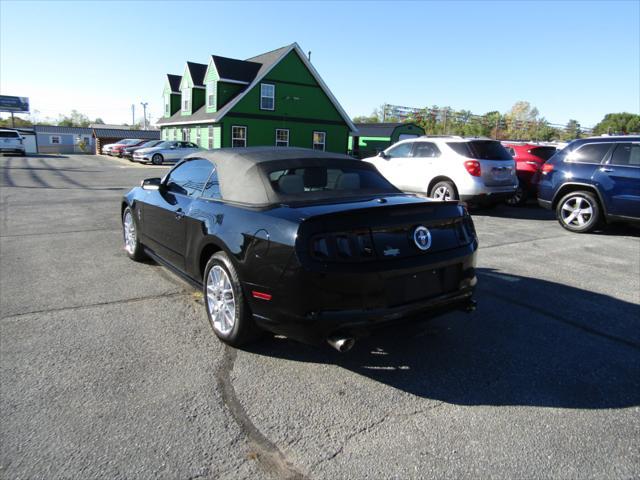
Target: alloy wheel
(221,301)
(129,231)
(442,193)
(576,211)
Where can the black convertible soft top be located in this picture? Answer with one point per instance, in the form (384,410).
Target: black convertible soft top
(243,173)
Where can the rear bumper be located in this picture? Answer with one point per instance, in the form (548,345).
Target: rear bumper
(489,197)
(309,306)
(357,323)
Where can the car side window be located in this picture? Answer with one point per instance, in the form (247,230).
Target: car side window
(426,149)
(627,154)
(590,153)
(212,187)
(400,151)
(191,145)
(189,178)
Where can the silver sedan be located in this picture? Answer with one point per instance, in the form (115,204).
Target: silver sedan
(169,150)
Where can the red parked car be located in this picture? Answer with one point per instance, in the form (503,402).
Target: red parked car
(529,159)
(116,150)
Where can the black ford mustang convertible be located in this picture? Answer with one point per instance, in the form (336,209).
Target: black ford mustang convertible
(307,244)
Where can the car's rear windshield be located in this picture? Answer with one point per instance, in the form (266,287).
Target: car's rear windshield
(544,153)
(9,134)
(328,182)
(481,150)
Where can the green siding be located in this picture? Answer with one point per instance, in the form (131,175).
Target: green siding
(227,91)
(212,76)
(303,101)
(217,136)
(198,95)
(263,132)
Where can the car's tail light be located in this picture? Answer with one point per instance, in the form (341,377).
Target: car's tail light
(473,167)
(546,168)
(348,246)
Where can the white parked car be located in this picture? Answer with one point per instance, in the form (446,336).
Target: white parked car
(169,150)
(449,168)
(11,141)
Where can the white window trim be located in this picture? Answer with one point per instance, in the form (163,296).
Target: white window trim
(282,130)
(324,140)
(210,139)
(272,97)
(209,93)
(186,91)
(198,136)
(51,137)
(238,138)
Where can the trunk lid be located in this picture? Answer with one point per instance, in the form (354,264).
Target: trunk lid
(382,229)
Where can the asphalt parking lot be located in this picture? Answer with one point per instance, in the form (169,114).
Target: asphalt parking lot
(109,369)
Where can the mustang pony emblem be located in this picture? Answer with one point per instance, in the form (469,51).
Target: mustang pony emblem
(422,237)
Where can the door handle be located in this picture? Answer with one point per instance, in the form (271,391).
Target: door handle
(179,214)
(605,169)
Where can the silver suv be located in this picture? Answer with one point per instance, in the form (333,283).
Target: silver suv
(449,168)
(11,142)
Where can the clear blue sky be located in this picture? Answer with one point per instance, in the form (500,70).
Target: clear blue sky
(570,59)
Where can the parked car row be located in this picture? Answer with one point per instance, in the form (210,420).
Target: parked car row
(587,182)
(150,151)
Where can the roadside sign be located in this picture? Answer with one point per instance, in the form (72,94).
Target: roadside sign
(14,104)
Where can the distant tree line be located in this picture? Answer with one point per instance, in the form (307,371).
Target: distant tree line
(73,119)
(521,122)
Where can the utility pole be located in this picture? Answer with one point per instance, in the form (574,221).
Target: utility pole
(13,122)
(144,109)
(445,121)
(497,123)
(133,114)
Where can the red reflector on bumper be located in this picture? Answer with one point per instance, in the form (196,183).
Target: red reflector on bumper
(261,295)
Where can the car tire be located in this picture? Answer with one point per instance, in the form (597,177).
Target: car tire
(227,309)
(157,159)
(443,190)
(579,212)
(130,236)
(519,198)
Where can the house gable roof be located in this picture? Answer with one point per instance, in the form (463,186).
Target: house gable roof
(174,82)
(232,69)
(268,61)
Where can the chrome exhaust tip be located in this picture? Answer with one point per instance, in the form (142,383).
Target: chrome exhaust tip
(341,344)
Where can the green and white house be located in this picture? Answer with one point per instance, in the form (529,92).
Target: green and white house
(276,98)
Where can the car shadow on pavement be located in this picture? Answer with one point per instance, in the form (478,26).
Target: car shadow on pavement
(525,212)
(530,343)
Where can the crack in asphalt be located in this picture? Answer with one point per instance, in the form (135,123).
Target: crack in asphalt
(269,456)
(506,244)
(97,304)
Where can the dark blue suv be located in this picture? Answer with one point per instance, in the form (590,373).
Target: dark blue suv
(593,180)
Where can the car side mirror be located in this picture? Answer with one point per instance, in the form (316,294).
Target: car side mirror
(383,155)
(151,183)
(172,147)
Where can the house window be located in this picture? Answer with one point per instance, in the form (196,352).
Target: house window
(211,97)
(186,99)
(185,134)
(267,96)
(166,105)
(210,137)
(319,140)
(198,137)
(282,137)
(55,140)
(238,136)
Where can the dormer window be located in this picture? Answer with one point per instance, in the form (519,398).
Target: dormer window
(267,96)
(186,99)
(211,97)
(167,103)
